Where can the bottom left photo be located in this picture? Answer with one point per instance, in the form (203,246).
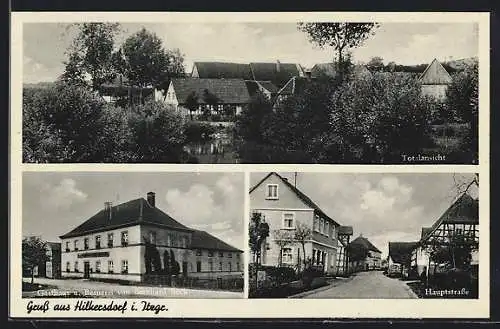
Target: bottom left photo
(133,235)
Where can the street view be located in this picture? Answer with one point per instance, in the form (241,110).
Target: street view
(390,236)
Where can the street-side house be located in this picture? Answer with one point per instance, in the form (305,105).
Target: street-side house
(113,243)
(276,73)
(435,80)
(399,258)
(52,267)
(283,206)
(372,255)
(461,219)
(225,97)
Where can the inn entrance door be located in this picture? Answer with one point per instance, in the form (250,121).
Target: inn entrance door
(86,270)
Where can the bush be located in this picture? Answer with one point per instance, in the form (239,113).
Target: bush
(310,273)
(198,131)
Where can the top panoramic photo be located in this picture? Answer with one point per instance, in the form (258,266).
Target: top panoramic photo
(230,93)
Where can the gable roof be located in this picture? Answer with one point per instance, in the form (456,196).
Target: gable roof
(435,74)
(364,243)
(345,230)
(424,232)
(133,212)
(465,210)
(297,192)
(229,91)
(223,70)
(278,73)
(204,240)
(400,252)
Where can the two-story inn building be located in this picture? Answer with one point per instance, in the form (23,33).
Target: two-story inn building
(283,207)
(112,245)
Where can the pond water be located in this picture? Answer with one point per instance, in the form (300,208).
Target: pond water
(218,149)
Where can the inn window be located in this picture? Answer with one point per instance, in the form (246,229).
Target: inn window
(286,255)
(288,220)
(333,232)
(316,223)
(272,191)
(152,237)
(110,240)
(220,266)
(198,252)
(229,266)
(327,228)
(321,226)
(221,254)
(98,242)
(237,266)
(98,266)
(67,267)
(86,243)
(184,242)
(210,253)
(124,266)
(230,255)
(75,247)
(76,266)
(110,266)
(198,266)
(125,238)
(169,240)
(67,245)
(211,265)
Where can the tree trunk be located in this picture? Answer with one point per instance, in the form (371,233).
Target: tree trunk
(32,275)
(304,253)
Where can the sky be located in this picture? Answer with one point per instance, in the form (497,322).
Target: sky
(56,202)
(45,44)
(381,207)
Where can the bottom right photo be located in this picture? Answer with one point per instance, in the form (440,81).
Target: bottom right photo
(371,235)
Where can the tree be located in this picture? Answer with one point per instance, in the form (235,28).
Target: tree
(192,103)
(91,53)
(211,100)
(69,123)
(258,231)
(174,265)
(147,63)
(34,252)
(282,238)
(73,71)
(158,133)
(342,37)
(302,234)
(375,64)
(391,67)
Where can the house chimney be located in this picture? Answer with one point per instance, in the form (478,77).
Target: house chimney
(107,208)
(151,199)
(278,66)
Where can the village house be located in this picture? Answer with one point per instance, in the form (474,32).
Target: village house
(460,219)
(276,73)
(120,89)
(112,244)
(52,267)
(372,255)
(266,88)
(435,80)
(224,97)
(283,206)
(399,258)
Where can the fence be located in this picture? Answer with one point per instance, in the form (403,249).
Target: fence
(219,283)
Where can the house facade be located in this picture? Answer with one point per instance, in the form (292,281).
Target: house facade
(460,221)
(197,97)
(399,258)
(286,208)
(113,244)
(435,80)
(372,256)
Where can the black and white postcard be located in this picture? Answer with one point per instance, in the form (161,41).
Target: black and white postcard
(249,165)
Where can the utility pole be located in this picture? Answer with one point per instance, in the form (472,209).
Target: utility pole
(295,180)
